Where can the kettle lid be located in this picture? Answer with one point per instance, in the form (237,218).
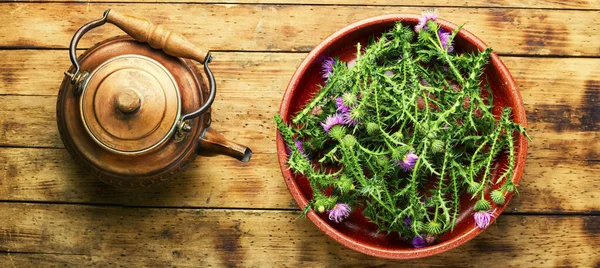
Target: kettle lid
(130,104)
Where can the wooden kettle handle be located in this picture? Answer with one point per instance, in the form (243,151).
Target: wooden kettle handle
(157,36)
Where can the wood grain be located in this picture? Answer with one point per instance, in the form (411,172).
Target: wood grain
(298,27)
(248,119)
(560,4)
(197,237)
(221,212)
(50,175)
(540,80)
(560,173)
(562,109)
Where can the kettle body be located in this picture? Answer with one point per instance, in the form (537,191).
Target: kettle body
(135,110)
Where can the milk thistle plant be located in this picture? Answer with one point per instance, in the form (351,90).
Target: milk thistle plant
(402,133)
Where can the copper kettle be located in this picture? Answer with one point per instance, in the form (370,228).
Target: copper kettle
(134,110)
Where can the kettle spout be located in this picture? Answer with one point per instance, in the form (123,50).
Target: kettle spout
(213,143)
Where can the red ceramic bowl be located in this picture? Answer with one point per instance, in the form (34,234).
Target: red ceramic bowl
(356,232)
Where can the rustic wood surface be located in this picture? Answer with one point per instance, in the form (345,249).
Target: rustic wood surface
(221,212)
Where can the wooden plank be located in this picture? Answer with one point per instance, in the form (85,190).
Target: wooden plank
(564,4)
(571,132)
(563,116)
(50,175)
(250,87)
(561,109)
(298,27)
(191,237)
(540,80)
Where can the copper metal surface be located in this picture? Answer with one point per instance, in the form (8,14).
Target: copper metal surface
(132,170)
(143,114)
(130,104)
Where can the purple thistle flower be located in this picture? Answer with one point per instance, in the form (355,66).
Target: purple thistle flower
(327,67)
(419,242)
(341,107)
(331,121)
(429,239)
(348,119)
(444,39)
(288,150)
(409,161)
(483,218)
(339,212)
(298,144)
(344,111)
(425,16)
(407,221)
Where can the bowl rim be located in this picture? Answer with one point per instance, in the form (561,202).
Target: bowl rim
(521,143)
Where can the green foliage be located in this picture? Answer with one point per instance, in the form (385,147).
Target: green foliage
(497,196)
(434,105)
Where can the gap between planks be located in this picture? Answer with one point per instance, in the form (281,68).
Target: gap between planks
(314,3)
(593,213)
(281,28)
(82,49)
(256,239)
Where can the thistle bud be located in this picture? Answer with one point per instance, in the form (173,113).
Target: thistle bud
(430,239)
(345,184)
(498,197)
(372,128)
(337,132)
(419,225)
(474,187)
(349,141)
(437,146)
(482,205)
(357,113)
(433,227)
(431,24)
(510,187)
(400,152)
(323,203)
(349,99)
(382,161)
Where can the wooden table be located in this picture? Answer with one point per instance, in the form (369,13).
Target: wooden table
(222,212)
